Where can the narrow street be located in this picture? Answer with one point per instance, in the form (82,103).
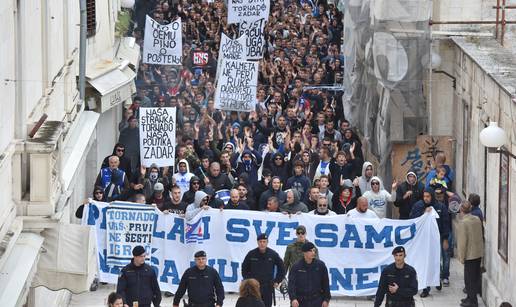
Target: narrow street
(448,296)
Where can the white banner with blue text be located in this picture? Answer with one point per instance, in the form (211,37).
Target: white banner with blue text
(354,250)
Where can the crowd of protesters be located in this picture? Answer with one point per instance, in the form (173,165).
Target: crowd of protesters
(296,152)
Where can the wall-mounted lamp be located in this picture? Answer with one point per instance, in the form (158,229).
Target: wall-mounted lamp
(127,4)
(494,138)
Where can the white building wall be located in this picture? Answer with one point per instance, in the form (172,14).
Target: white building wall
(38,67)
(484,99)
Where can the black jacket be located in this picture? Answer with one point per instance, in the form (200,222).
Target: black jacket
(343,208)
(202,285)
(262,266)
(406,205)
(405,278)
(306,281)
(138,283)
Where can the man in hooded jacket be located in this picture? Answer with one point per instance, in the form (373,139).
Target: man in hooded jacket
(274,190)
(378,197)
(195,185)
(183,176)
(250,162)
(407,194)
(200,203)
(367,175)
(293,205)
(346,197)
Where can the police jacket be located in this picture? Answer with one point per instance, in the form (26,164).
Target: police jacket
(262,266)
(405,278)
(202,285)
(138,283)
(309,281)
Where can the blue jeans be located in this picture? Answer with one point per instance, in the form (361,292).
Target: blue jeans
(445,261)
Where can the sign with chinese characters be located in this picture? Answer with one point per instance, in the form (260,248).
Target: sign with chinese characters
(420,157)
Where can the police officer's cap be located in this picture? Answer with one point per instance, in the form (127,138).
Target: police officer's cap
(262,237)
(398,249)
(308,246)
(138,250)
(200,254)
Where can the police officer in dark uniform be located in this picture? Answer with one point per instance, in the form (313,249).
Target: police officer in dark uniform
(398,281)
(308,283)
(138,282)
(203,284)
(266,266)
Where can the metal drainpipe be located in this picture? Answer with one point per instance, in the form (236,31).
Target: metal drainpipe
(82,51)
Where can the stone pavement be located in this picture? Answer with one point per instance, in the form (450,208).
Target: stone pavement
(448,296)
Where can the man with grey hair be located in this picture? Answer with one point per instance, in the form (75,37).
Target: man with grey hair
(322,207)
(470,249)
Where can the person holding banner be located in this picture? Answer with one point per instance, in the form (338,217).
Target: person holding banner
(398,281)
(203,284)
(266,266)
(308,282)
(138,282)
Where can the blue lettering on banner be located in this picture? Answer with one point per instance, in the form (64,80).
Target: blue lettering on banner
(351,235)
(283,234)
(400,229)
(258,227)
(170,271)
(220,266)
(237,234)
(178,229)
(385,234)
(326,238)
(344,280)
(362,278)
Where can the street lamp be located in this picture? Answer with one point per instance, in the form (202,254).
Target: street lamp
(127,4)
(494,138)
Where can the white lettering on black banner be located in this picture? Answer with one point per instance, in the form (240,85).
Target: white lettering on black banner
(157,136)
(163,43)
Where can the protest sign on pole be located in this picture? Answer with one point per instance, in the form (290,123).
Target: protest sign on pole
(247,10)
(127,226)
(254,30)
(231,49)
(354,250)
(236,88)
(157,136)
(163,44)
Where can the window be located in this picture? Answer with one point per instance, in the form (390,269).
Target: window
(91,19)
(503,207)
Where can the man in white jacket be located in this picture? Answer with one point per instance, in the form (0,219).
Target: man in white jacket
(183,176)
(379,197)
(200,203)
